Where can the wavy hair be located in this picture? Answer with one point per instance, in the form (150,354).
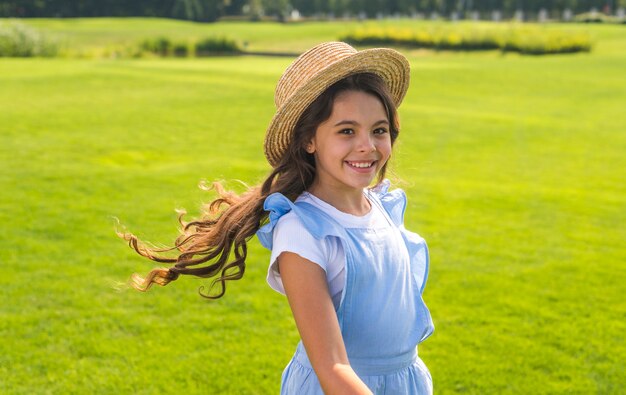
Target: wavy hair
(215,245)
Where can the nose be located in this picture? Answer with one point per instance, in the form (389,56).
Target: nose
(366,143)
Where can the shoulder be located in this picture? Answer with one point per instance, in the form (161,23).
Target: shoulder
(291,231)
(290,223)
(292,235)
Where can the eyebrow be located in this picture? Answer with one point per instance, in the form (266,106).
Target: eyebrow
(350,122)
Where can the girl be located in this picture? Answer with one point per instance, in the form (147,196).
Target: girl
(352,273)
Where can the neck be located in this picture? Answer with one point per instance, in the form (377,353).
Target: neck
(351,201)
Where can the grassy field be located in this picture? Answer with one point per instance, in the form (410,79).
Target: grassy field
(514,168)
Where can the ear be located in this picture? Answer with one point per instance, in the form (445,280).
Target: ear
(310,146)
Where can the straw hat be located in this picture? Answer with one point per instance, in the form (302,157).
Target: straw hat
(316,70)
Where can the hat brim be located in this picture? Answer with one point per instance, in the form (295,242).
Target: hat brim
(387,63)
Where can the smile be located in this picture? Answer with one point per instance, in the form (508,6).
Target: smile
(361,165)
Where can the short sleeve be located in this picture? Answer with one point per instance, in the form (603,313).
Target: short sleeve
(290,235)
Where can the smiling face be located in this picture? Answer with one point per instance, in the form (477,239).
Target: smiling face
(353,144)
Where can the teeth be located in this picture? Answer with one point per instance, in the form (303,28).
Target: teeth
(361,164)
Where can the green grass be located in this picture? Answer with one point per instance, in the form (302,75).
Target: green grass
(513,166)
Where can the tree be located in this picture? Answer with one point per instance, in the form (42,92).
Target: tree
(279,8)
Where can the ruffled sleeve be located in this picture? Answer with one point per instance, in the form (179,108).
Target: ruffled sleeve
(278,205)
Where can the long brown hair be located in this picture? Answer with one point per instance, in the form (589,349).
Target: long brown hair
(219,238)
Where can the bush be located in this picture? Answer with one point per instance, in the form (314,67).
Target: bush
(454,39)
(163,46)
(597,17)
(540,43)
(180,50)
(160,46)
(522,39)
(20,40)
(216,45)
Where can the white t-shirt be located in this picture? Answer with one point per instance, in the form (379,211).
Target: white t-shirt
(290,235)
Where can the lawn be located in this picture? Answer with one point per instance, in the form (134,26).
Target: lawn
(514,168)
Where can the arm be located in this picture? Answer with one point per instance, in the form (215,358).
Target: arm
(313,311)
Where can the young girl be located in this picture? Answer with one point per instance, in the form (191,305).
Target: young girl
(352,273)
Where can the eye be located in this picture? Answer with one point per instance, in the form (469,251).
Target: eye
(380,131)
(346,131)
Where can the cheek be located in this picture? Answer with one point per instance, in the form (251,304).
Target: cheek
(325,154)
(336,148)
(385,149)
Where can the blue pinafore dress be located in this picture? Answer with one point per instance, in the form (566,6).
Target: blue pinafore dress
(381,314)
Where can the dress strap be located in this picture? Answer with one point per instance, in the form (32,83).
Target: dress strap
(393,202)
(374,201)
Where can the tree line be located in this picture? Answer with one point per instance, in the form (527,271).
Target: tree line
(211,10)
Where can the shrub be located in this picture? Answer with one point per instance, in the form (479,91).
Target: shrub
(215,46)
(598,17)
(480,39)
(540,42)
(160,46)
(454,39)
(522,39)
(163,46)
(20,40)
(180,50)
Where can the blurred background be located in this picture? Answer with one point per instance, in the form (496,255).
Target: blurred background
(511,153)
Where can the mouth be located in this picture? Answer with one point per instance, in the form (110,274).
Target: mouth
(361,165)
